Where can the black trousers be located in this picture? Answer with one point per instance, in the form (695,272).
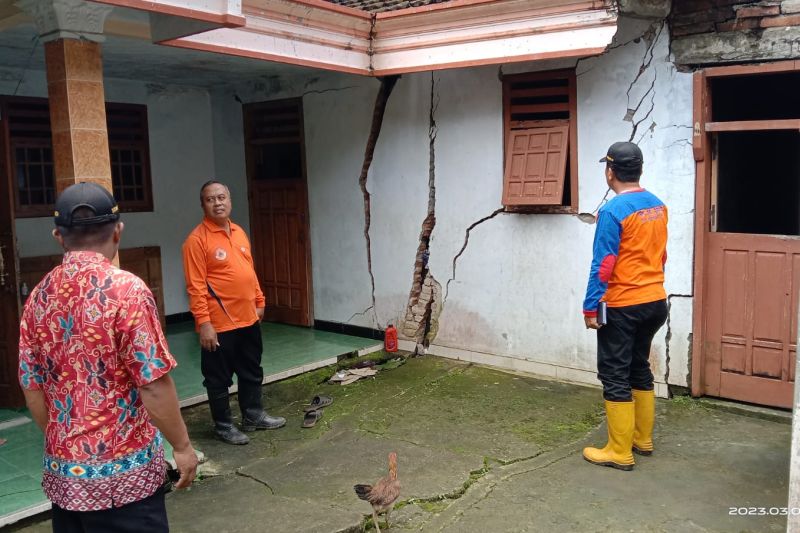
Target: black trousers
(239,352)
(149,514)
(623,348)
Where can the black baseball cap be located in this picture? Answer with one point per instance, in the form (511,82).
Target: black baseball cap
(91,196)
(624,155)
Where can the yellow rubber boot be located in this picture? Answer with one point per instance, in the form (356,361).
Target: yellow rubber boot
(645,407)
(617,452)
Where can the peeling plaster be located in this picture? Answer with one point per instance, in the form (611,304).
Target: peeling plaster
(651,36)
(668,336)
(423,309)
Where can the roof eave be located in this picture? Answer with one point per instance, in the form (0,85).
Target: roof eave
(323,35)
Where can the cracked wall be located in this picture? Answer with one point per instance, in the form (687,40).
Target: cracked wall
(735,31)
(512,285)
(421,321)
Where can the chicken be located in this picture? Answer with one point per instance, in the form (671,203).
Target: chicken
(382,494)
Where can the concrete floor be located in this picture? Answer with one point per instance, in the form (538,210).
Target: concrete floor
(288,350)
(484,451)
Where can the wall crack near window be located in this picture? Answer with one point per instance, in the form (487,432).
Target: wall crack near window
(421,322)
(387,85)
(464,247)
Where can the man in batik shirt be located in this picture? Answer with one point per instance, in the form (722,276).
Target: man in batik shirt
(94,367)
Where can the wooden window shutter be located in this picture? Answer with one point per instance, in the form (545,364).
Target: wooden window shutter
(536,160)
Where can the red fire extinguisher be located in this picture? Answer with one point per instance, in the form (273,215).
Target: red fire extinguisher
(390,339)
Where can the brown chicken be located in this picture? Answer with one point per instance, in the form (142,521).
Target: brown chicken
(382,494)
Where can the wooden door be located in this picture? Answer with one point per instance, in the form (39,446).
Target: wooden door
(279,208)
(10,392)
(751,317)
(747,234)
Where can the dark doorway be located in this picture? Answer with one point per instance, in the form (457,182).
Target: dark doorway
(759,182)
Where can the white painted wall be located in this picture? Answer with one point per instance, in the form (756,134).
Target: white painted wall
(181,158)
(520,283)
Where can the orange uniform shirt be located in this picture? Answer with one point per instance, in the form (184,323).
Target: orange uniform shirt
(220,277)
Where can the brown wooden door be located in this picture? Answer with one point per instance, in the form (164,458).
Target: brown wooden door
(751,317)
(10,392)
(747,233)
(279,208)
(279,244)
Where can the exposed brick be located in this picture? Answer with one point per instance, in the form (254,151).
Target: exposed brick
(739,25)
(711,14)
(692,29)
(790,6)
(783,20)
(757,11)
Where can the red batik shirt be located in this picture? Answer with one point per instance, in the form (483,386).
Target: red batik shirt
(89,337)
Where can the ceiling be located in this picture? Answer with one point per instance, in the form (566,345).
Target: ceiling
(139,59)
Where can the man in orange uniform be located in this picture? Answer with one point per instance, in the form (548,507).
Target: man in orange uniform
(627,273)
(228,305)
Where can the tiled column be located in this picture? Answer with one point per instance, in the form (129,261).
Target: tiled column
(77,112)
(72,31)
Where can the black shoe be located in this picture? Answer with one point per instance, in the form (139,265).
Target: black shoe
(230,434)
(219,404)
(263,421)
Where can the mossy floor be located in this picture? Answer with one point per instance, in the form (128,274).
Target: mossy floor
(479,450)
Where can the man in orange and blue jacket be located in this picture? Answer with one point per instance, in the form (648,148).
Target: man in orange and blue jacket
(627,279)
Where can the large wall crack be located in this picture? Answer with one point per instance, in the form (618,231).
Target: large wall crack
(387,85)
(421,322)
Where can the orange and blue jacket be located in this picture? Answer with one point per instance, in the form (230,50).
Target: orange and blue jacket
(630,250)
(220,277)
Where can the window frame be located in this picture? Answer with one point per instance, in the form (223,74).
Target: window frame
(143,145)
(46,210)
(9,146)
(571,178)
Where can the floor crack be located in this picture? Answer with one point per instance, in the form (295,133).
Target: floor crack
(239,473)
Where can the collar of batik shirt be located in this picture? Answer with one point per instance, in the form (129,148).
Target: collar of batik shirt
(71,258)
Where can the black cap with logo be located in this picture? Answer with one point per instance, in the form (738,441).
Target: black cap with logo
(624,155)
(90,196)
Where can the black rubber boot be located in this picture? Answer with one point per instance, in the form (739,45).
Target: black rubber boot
(220,406)
(253,415)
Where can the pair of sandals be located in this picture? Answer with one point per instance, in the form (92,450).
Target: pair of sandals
(314,410)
